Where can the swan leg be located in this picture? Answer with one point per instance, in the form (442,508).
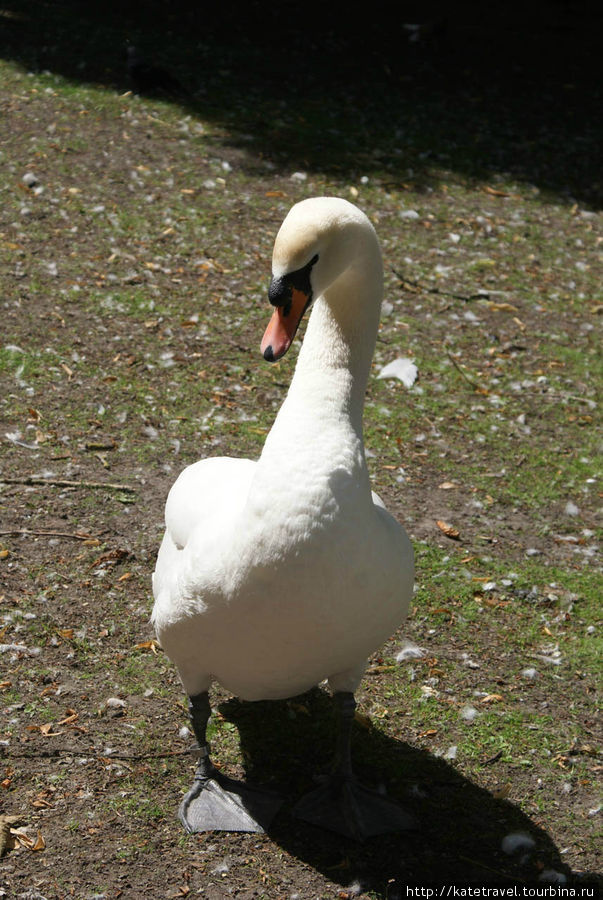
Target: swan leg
(343,804)
(216,802)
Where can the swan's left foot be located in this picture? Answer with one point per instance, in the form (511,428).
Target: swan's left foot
(347,807)
(216,802)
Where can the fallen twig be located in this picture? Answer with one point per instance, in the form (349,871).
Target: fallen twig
(57,751)
(492,759)
(482,865)
(6,823)
(434,290)
(63,482)
(77,536)
(474,385)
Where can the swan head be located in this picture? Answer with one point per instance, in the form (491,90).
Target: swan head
(315,244)
(291,294)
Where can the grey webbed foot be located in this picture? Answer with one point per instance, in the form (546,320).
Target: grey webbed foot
(349,808)
(343,804)
(222,804)
(216,802)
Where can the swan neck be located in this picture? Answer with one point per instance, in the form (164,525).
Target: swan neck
(337,351)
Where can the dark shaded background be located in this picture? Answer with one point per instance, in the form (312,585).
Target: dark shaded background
(484,91)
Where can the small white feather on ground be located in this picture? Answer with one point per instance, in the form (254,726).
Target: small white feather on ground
(517,842)
(409,651)
(401,368)
(552,876)
(469,713)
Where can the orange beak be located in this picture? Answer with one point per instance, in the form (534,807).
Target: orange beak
(282,327)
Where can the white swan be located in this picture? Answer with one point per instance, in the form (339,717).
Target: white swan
(277,574)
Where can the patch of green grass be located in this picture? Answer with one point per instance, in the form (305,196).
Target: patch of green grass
(137,805)
(138,672)
(157,307)
(521,623)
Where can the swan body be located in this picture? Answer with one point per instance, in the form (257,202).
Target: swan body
(277,574)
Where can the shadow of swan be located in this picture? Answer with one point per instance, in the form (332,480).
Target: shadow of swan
(461,825)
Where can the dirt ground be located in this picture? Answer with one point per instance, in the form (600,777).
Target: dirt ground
(102,405)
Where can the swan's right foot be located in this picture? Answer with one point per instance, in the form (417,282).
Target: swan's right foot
(343,804)
(353,810)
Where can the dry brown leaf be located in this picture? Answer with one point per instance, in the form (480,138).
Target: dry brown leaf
(153,646)
(502,792)
(447,486)
(587,749)
(495,192)
(71,717)
(491,698)
(497,307)
(40,843)
(449,530)
(47,730)
(7,824)
(66,633)
(26,841)
(21,839)
(362,720)
(112,557)
(4,685)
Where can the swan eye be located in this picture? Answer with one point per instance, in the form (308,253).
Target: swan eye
(280,292)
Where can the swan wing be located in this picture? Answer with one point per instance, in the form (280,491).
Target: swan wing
(207,496)
(204,503)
